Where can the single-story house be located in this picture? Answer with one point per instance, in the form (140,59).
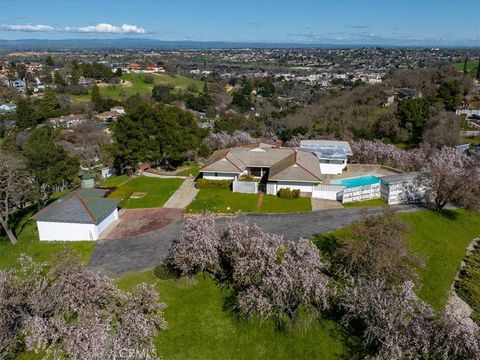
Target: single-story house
(68,120)
(8,107)
(81,215)
(332,155)
(275,167)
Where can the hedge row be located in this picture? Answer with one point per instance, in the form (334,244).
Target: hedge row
(213,184)
(288,193)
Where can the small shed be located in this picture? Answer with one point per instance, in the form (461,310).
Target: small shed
(87,181)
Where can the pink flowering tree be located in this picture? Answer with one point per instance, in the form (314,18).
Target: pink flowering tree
(223,140)
(69,311)
(376,152)
(451,177)
(399,325)
(197,248)
(271,278)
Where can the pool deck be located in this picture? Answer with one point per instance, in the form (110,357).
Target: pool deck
(354,170)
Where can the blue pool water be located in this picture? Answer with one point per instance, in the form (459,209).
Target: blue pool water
(357,181)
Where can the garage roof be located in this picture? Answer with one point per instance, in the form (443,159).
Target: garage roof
(78,209)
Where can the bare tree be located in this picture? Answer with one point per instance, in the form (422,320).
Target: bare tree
(90,140)
(15,188)
(377,248)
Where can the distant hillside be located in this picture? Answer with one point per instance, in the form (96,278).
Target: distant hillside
(145,44)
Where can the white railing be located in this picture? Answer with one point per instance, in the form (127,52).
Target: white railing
(361,193)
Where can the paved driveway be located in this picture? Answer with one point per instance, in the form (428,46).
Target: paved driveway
(184,195)
(123,255)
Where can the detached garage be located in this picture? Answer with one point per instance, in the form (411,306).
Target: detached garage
(82,215)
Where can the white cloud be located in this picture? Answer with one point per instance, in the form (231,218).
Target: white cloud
(107,29)
(27,28)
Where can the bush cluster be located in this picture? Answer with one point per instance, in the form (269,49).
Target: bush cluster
(289,193)
(213,184)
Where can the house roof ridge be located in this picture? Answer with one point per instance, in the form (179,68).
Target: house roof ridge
(85,207)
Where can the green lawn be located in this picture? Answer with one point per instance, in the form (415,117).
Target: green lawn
(223,201)
(275,204)
(471,65)
(158,191)
(193,170)
(121,92)
(373,202)
(226,201)
(114,180)
(201,327)
(442,239)
(28,243)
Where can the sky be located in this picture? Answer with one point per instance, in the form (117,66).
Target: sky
(373,22)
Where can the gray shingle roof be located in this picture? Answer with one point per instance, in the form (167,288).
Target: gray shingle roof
(78,209)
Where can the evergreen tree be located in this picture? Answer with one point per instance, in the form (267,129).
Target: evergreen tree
(465,65)
(51,166)
(97,98)
(26,116)
(49,61)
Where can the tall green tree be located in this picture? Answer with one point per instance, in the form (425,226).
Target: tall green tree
(50,104)
(26,115)
(158,134)
(97,98)
(449,92)
(58,78)
(52,168)
(49,60)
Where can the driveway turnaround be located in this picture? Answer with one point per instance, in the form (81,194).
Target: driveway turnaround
(135,253)
(184,195)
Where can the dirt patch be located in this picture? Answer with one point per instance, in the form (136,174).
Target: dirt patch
(134,222)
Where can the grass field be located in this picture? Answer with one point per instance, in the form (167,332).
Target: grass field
(223,201)
(114,181)
(471,65)
(28,243)
(200,326)
(442,238)
(226,201)
(158,191)
(373,202)
(274,204)
(121,91)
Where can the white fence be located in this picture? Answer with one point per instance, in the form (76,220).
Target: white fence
(467,112)
(271,188)
(328,191)
(469,133)
(361,193)
(246,187)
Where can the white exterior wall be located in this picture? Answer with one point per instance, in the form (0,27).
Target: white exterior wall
(107,221)
(303,187)
(54,231)
(335,169)
(59,231)
(219,176)
(328,192)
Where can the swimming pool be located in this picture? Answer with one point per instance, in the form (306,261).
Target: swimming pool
(357,181)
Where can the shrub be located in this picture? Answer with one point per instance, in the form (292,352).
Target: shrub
(468,284)
(289,193)
(247,178)
(122,192)
(213,184)
(164,271)
(148,79)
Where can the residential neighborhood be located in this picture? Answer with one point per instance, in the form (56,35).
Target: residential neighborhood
(238,180)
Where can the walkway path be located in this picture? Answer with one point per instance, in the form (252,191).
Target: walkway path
(184,195)
(127,254)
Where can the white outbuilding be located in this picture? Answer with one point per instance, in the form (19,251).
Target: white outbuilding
(81,215)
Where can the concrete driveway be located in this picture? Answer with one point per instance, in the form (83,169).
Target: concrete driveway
(184,195)
(118,256)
